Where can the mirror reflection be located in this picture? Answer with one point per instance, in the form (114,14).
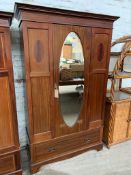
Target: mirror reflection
(71,80)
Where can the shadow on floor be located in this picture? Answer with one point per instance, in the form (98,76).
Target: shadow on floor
(51,172)
(125,172)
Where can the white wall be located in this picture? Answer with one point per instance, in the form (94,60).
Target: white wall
(122,27)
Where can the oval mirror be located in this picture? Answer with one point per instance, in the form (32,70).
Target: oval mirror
(71,79)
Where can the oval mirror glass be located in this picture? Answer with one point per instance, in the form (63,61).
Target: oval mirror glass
(71,79)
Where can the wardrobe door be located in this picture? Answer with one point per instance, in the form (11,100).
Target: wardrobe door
(101,39)
(9,142)
(63,103)
(8,138)
(39,79)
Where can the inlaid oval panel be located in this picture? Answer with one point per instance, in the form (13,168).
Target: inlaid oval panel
(100,52)
(71,79)
(38,51)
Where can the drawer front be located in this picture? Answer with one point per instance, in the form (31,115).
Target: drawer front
(46,150)
(7,164)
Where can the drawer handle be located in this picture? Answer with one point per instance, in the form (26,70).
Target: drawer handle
(87,140)
(51,149)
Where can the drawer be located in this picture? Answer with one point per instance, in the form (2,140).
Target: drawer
(49,149)
(7,164)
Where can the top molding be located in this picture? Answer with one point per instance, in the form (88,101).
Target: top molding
(5,18)
(33,13)
(27,7)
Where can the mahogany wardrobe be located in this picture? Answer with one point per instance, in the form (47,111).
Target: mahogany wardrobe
(9,142)
(66,57)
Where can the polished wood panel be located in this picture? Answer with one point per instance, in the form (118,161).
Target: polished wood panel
(39,67)
(41,107)
(2,53)
(7,164)
(97,100)
(6,138)
(39,49)
(101,40)
(38,74)
(10,163)
(9,141)
(44,31)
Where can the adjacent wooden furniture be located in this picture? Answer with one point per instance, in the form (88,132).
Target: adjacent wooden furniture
(67,51)
(117,127)
(44,31)
(9,142)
